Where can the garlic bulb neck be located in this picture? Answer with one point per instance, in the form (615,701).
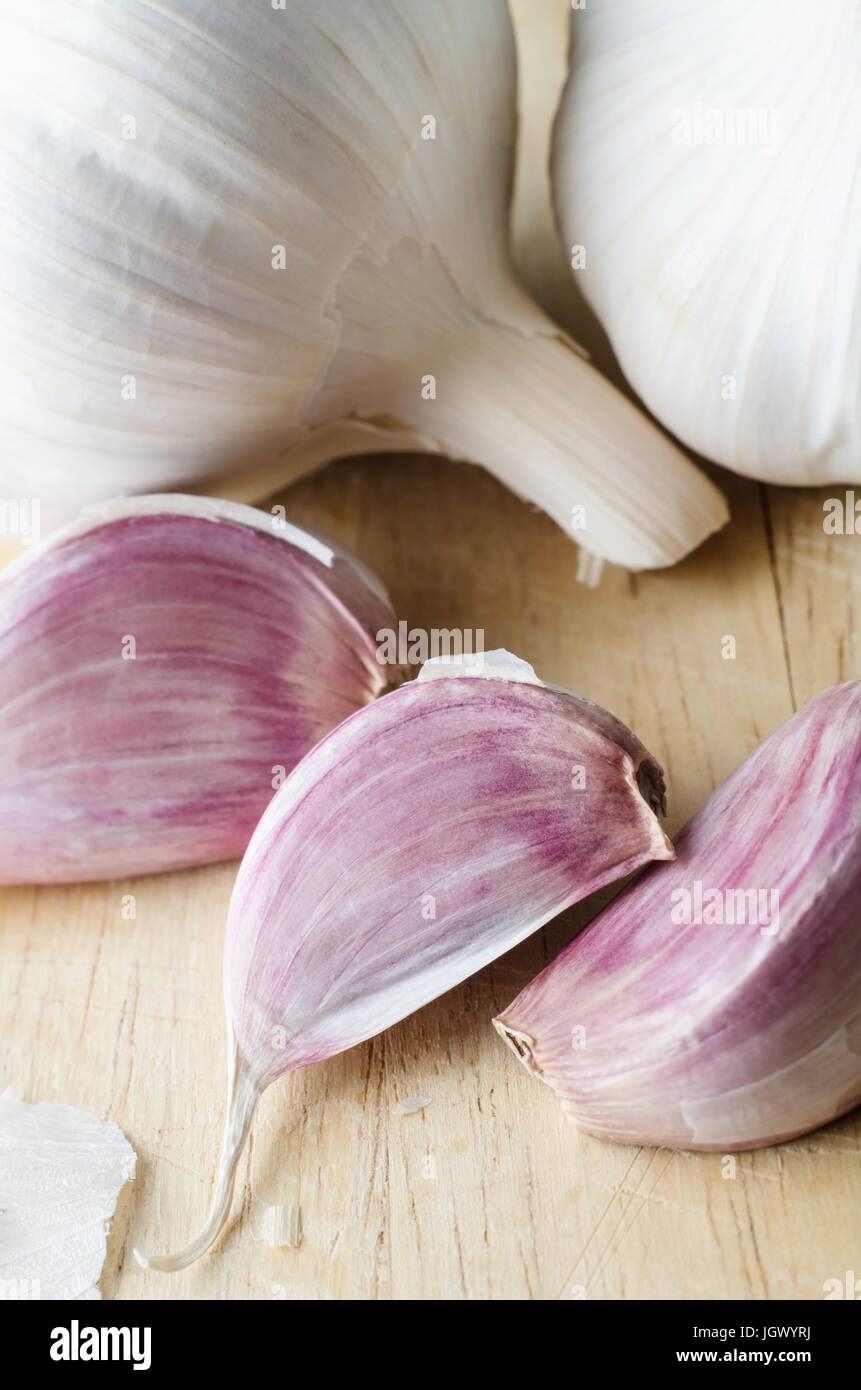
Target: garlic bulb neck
(506,388)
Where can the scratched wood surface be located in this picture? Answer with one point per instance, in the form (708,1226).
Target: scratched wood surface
(487,1193)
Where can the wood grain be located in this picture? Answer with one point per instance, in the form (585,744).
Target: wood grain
(487,1193)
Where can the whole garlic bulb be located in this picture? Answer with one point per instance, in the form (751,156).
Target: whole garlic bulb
(706,160)
(246,239)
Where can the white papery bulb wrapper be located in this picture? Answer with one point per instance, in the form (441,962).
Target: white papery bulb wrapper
(707,158)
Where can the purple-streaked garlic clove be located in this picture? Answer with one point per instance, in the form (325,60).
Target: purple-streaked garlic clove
(716,1003)
(421,839)
(164,662)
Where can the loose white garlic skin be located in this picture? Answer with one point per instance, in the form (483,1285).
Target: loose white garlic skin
(707,158)
(61,1172)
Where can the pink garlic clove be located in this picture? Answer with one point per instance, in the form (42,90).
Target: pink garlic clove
(424,837)
(678,1018)
(164,661)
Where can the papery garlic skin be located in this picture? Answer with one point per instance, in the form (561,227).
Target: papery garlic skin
(710,1034)
(61,1172)
(240,241)
(164,662)
(704,158)
(420,840)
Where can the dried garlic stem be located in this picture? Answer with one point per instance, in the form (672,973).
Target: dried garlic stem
(510,391)
(242,1097)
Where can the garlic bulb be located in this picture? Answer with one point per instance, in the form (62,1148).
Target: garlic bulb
(716,1003)
(164,662)
(242,240)
(705,164)
(422,838)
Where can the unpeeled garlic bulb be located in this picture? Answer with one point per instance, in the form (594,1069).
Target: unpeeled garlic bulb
(716,1003)
(164,662)
(706,165)
(242,240)
(426,835)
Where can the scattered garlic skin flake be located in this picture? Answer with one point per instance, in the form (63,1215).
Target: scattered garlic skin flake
(722,1036)
(421,839)
(410,1105)
(285,263)
(252,638)
(282,1226)
(61,1171)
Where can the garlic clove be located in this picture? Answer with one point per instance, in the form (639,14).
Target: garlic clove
(716,1003)
(422,838)
(164,662)
(293,246)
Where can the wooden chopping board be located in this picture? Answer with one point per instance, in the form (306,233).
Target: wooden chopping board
(486,1193)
